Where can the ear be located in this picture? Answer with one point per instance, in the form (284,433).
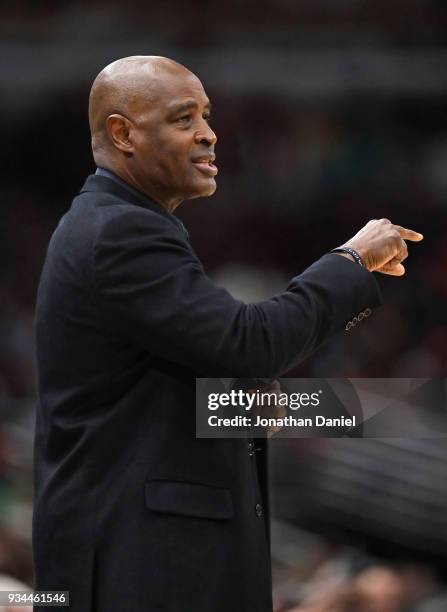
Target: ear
(119,129)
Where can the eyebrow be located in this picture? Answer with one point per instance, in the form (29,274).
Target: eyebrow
(184,106)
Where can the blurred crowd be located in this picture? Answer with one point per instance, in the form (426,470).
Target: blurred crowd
(377,588)
(298,175)
(360,525)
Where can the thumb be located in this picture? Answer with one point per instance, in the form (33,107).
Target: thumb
(391,269)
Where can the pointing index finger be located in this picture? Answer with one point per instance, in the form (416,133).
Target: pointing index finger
(408,234)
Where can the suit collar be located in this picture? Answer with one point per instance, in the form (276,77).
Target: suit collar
(111,175)
(104,184)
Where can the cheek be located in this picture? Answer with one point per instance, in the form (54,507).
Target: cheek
(176,159)
(167,157)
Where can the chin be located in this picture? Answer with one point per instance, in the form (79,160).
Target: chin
(209,189)
(210,192)
(204,191)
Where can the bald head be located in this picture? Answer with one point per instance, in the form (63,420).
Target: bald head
(149,120)
(124,87)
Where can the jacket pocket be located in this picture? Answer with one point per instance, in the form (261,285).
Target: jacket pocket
(188,499)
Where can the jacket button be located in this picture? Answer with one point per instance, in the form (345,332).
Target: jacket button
(259,511)
(367,312)
(251,449)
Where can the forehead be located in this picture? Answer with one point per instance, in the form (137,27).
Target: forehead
(175,89)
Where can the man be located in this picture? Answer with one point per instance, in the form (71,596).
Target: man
(132,512)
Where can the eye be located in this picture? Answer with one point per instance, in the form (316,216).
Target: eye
(184,120)
(207,117)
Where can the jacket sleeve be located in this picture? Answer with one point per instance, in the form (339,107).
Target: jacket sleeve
(152,291)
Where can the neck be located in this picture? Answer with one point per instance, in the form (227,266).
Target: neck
(169,204)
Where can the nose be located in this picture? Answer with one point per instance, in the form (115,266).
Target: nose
(205,135)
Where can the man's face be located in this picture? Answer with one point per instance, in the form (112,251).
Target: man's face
(173,142)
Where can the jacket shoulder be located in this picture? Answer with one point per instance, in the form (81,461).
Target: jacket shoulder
(118,221)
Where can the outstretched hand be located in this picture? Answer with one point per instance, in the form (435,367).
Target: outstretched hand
(382,246)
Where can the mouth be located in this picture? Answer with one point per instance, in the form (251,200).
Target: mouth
(206,165)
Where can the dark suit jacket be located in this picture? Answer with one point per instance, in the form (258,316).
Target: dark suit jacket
(132,512)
